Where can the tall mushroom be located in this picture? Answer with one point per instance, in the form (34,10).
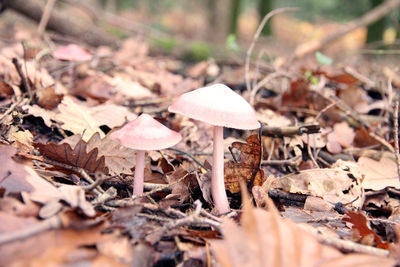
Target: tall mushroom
(144,133)
(217,105)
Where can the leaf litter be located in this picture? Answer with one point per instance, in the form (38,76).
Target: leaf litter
(327,198)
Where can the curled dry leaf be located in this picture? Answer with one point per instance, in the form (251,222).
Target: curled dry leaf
(248,166)
(77,157)
(183,188)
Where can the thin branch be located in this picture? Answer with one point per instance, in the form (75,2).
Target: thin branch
(255,38)
(290,162)
(31,230)
(396,135)
(45,17)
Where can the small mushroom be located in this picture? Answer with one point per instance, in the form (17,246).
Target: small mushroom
(72,52)
(217,105)
(144,133)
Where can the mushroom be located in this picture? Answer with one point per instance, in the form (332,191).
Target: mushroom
(219,106)
(71,52)
(144,133)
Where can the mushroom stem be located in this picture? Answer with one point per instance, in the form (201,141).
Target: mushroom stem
(217,179)
(139,173)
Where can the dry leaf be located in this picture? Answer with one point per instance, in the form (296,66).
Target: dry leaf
(46,115)
(379,174)
(265,239)
(248,166)
(363,230)
(77,157)
(111,115)
(333,185)
(183,188)
(77,118)
(16,177)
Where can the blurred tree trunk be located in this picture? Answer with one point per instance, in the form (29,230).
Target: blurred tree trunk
(376,29)
(218,13)
(111,6)
(265,6)
(234,16)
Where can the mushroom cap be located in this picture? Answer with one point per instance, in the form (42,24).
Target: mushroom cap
(71,52)
(145,133)
(217,105)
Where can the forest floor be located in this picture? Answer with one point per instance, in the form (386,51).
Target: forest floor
(320,178)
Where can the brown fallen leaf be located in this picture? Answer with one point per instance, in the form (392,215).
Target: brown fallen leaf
(248,166)
(93,86)
(47,98)
(183,188)
(77,157)
(362,232)
(5,90)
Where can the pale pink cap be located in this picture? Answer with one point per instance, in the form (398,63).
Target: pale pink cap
(72,52)
(217,105)
(145,133)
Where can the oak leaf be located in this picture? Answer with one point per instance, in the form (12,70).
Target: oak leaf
(77,156)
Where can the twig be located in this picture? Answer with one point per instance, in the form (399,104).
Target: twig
(151,186)
(265,81)
(26,88)
(193,219)
(153,217)
(345,245)
(255,38)
(189,155)
(359,76)
(396,135)
(290,130)
(290,162)
(11,108)
(31,230)
(324,110)
(45,17)
(309,151)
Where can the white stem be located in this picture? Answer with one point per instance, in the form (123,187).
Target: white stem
(139,173)
(217,179)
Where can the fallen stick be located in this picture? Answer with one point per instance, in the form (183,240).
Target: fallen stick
(368,18)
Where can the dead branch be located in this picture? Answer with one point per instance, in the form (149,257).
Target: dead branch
(62,22)
(370,17)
